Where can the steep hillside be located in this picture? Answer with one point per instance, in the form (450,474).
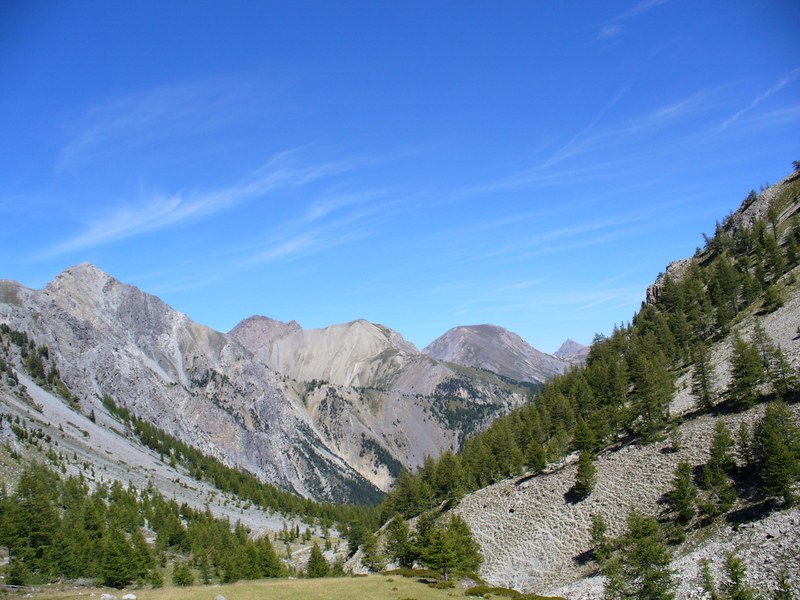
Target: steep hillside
(536,537)
(495,349)
(99,448)
(107,338)
(706,378)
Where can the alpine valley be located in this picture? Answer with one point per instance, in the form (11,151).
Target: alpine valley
(665,457)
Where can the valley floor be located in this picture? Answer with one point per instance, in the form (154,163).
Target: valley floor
(373,587)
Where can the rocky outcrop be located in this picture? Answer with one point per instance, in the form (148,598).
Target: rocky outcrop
(675,271)
(358,354)
(258,333)
(495,349)
(755,206)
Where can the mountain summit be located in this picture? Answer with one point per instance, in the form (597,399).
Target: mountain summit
(495,349)
(572,352)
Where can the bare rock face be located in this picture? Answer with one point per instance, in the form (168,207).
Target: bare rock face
(755,206)
(198,384)
(495,349)
(359,353)
(257,332)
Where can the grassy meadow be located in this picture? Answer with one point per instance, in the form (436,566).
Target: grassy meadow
(373,587)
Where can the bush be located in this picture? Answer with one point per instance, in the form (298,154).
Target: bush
(481,591)
(412,573)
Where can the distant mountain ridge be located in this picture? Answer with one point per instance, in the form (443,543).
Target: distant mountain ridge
(327,412)
(363,381)
(495,349)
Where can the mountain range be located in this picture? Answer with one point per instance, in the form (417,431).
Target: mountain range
(333,413)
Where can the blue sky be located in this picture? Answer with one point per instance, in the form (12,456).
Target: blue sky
(419,164)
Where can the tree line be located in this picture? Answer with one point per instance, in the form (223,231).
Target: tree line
(57,527)
(624,390)
(238,481)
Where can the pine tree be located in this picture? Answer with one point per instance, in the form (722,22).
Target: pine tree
(747,373)
(451,548)
(703,377)
(583,438)
(406,497)
(537,459)
(585,476)
(775,262)
(641,570)
(118,568)
(792,251)
(32,523)
(776,452)
(721,449)
(317,565)
(773,299)
(399,543)
(722,495)
(269,565)
(709,585)
(735,587)
(781,374)
(653,388)
(684,492)
(440,554)
(372,557)
(468,553)
(601,546)
(449,477)
(182,575)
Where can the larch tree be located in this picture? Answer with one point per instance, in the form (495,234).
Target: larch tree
(640,570)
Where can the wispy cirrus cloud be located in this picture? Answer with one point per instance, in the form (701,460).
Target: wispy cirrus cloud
(600,146)
(781,83)
(165,211)
(325,223)
(181,112)
(613,27)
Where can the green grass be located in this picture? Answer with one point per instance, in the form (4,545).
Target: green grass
(373,587)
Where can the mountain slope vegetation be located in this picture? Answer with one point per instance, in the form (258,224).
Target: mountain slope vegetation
(720,330)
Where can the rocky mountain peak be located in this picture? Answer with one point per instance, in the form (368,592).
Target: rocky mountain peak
(568,348)
(572,352)
(495,349)
(257,332)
